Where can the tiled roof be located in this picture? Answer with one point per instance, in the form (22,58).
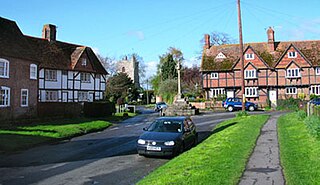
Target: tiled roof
(13,43)
(309,49)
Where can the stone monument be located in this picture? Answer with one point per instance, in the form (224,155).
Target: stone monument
(180,106)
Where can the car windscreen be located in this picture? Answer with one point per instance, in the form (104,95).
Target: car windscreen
(165,126)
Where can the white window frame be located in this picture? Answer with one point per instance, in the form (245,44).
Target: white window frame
(291,90)
(251,92)
(84,62)
(24,98)
(51,96)
(249,56)
(250,74)
(5,97)
(5,72)
(33,71)
(292,54)
(85,77)
(293,73)
(50,75)
(315,89)
(214,75)
(83,96)
(216,92)
(317,70)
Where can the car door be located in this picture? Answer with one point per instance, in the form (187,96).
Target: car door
(189,130)
(237,103)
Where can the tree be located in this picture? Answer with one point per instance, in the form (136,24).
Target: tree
(108,63)
(219,38)
(167,67)
(120,86)
(168,89)
(191,80)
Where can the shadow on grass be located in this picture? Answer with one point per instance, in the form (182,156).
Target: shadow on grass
(219,129)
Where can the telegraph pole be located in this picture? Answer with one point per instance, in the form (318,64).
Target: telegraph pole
(241,57)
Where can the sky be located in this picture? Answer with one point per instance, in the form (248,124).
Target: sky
(114,28)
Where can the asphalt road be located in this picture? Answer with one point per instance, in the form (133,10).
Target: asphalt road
(106,157)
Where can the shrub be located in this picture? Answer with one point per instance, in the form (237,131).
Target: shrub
(288,104)
(313,125)
(302,114)
(221,97)
(242,114)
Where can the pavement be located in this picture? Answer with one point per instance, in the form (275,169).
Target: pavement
(264,166)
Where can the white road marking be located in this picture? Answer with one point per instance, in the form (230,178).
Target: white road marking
(115,128)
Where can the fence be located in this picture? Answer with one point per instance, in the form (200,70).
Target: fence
(313,109)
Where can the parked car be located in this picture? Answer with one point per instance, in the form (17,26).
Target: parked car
(160,106)
(315,101)
(232,104)
(167,136)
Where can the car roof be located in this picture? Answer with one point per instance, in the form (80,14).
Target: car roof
(172,118)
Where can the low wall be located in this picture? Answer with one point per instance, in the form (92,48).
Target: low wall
(208,105)
(59,109)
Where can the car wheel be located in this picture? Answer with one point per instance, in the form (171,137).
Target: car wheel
(251,108)
(230,108)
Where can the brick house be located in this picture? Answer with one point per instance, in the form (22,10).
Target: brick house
(18,73)
(67,72)
(272,70)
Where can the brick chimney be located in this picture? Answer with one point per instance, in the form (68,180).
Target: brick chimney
(206,41)
(49,32)
(271,44)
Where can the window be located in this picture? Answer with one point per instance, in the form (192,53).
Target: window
(317,70)
(315,89)
(33,71)
(251,92)
(24,98)
(251,73)
(221,56)
(293,73)
(291,90)
(123,69)
(85,78)
(4,96)
(292,54)
(4,68)
(82,96)
(214,76)
(216,92)
(51,75)
(84,62)
(51,95)
(249,56)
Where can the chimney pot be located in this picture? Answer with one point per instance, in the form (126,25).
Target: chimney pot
(49,32)
(271,41)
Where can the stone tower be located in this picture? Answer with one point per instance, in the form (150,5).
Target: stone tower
(131,68)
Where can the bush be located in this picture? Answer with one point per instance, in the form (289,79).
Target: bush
(99,109)
(301,114)
(221,97)
(313,125)
(242,114)
(288,104)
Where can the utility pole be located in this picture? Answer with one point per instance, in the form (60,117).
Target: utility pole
(241,57)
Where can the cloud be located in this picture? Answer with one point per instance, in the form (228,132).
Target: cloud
(137,34)
(192,61)
(151,68)
(96,50)
(305,29)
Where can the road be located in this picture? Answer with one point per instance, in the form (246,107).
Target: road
(106,157)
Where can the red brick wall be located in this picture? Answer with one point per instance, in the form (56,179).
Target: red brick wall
(19,78)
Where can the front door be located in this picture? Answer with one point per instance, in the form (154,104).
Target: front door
(230,94)
(273,98)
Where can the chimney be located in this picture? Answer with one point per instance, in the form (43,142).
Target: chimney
(49,32)
(206,41)
(270,33)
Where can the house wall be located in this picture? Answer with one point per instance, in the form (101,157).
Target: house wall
(19,78)
(68,86)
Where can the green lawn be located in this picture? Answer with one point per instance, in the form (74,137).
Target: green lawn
(299,152)
(220,159)
(19,137)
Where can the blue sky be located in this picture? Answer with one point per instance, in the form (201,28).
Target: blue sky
(149,27)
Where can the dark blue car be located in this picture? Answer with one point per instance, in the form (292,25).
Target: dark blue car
(232,104)
(315,101)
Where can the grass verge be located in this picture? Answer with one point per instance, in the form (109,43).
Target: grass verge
(299,151)
(19,137)
(220,159)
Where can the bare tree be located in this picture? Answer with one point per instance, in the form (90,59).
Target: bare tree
(219,38)
(108,63)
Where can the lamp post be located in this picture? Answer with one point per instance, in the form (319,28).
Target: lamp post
(178,67)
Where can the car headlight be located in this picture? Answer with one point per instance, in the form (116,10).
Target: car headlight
(141,141)
(169,143)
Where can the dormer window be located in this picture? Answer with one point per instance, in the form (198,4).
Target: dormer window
(84,62)
(214,76)
(249,74)
(292,54)
(249,56)
(293,73)
(221,56)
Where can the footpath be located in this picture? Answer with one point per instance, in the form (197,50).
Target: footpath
(264,166)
